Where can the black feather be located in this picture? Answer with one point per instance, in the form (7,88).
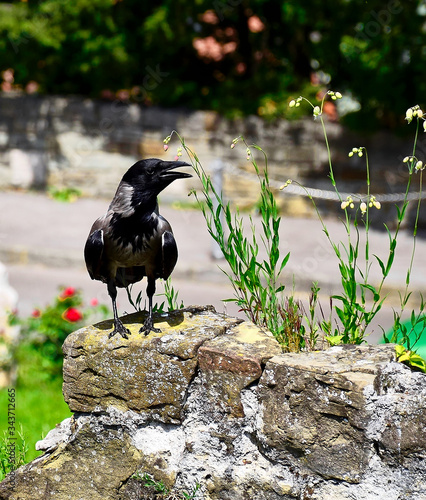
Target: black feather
(169,254)
(93,251)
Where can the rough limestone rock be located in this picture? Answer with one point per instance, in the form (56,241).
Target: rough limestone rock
(211,400)
(145,374)
(314,408)
(231,363)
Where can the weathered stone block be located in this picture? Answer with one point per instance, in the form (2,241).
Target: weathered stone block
(93,464)
(230,363)
(146,374)
(314,407)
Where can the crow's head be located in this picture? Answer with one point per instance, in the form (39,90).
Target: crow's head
(151,176)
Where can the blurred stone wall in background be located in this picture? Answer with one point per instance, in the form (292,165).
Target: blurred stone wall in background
(89,144)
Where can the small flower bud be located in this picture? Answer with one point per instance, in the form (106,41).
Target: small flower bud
(377,204)
(292,103)
(406,159)
(317,111)
(338,95)
(351,153)
(409,115)
(233,145)
(165,147)
(347,203)
(419,113)
(288,182)
(419,166)
(363,207)
(424,125)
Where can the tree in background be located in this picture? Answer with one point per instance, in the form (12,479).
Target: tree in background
(233,56)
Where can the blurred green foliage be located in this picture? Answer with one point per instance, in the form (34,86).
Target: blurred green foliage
(46,329)
(233,56)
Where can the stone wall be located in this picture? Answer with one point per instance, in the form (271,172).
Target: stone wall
(211,400)
(88,144)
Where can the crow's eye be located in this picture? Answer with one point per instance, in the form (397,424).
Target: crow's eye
(150,171)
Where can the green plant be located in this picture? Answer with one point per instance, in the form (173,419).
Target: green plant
(410,358)
(46,329)
(160,488)
(172,296)
(66,194)
(360,300)
(314,326)
(402,335)
(169,293)
(13,452)
(256,280)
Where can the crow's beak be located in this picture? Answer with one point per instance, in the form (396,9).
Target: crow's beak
(168,172)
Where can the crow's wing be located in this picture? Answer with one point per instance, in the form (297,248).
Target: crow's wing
(93,252)
(169,254)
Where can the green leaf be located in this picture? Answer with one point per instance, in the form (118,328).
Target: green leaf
(376,295)
(334,339)
(409,357)
(381,264)
(418,362)
(399,350)
(284,262)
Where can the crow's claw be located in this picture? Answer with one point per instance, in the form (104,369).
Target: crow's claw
(148,327)
(121,329)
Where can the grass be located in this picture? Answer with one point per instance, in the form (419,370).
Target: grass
(39,401)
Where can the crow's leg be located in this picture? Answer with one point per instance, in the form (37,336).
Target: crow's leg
(148,326)
(118,325)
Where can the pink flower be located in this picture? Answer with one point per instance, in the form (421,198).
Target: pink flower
(8,75)
(31,87)
(36,313)
(72,315)
(123,95)
(68,292)
(94,302)
(209,48)
(209,17)
(255,25)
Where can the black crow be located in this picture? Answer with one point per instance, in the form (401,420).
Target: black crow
(132,239)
